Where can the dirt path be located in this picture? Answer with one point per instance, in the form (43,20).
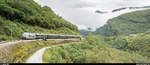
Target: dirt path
(37,57)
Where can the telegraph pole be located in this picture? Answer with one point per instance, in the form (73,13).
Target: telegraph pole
(11,34)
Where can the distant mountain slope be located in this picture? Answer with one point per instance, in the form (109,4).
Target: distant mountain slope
(20,16)
(84,32)
(120,9)
(138,43)
(126,24)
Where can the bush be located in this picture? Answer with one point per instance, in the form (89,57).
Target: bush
(11,13)
(3,38)
(91,51)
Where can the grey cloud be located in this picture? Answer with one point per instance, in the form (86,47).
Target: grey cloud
(82,12)
(81,5)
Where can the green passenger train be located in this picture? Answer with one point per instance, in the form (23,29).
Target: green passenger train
(31,36)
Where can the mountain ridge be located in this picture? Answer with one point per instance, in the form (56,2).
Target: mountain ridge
(129,23)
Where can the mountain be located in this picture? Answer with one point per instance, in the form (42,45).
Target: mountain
(126,24)
(84,32)
(100,12)
(18,16)
(139,7)
(131,8)
(119,9)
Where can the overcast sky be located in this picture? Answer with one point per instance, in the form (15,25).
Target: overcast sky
(82,12)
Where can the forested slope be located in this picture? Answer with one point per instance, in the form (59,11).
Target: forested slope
(99,49)
(20,16)
(126,24)
(139,43)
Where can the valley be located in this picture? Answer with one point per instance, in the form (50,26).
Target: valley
(124,38)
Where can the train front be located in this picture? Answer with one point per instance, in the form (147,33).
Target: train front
(28,36)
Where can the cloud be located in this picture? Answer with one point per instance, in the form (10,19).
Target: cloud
(82,27)
(81,5)
(82,12)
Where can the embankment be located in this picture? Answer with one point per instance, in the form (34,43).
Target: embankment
(19,53)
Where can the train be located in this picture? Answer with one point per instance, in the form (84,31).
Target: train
(32,36)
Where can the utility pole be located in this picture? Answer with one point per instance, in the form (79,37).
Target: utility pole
(11,38)
(11,33)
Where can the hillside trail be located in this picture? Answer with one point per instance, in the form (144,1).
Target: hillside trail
(37,57)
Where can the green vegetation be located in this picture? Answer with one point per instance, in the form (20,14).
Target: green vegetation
(124,39)
(27,16)
(19,16)
(126,24)
(128,40)
(19,53)
(139,43)
(92,50)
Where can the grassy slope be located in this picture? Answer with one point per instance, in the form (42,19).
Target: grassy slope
(93,50)
(19,53)
(130,23)
(27,16)
(139,43)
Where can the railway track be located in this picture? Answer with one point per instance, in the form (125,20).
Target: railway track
(5,43)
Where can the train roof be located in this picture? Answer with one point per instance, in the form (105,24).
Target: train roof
(50,34)
(57,34)
(46,34)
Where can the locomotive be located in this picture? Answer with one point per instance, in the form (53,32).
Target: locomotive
(32,36)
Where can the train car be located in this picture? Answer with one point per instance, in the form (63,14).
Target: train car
(41,36)
(50,36)
(31,36)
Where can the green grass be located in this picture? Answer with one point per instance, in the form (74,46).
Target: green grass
(92,50)
(138,43)
(19,53)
